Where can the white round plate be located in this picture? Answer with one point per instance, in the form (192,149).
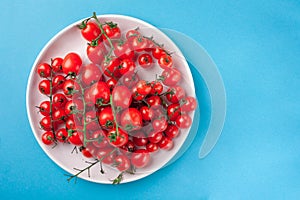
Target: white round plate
(70,40)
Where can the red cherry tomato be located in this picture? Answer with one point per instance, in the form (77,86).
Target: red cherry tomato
(48,138)
(44,108)
(90,118)
(70,124)
(59,100)
(106,118)
(172,131)
(154,101)
(98,93)
(175,94)
(166,143)
(147,113)
(44,70)
(101,141)
(118,137)
(111,83)
(61,134)
(121,96)
(87,152)
(110,66)
(75,138)
(155,137)
(143,87)
(165,61)
(151,147)
(106,155)
(126,65)
(129,146)
(157,88)
(73,106)
(59,115)
(171,76)
(138,43)
(96,54)
(159,124)
(145,60)
(131,119)
(58,82)
(57,64)
(71,63)
(111,31)
(157,52)
(130,79)
(90,74)
(122,163)
(132,33)
(90,30)
(184,121)
(122,50)
(188,104)
(173,111)
(44,87)
(45,123)
(140,158)
(139,139)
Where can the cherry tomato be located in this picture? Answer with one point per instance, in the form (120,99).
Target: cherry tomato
(73,106)
(150,45)
(155,137)
(129,146)
(157,52)
(121,96)
(165,61)
(126,65)
(106,155)
(48,138)
(154,101)
(44,87)
(71,63)
(147,113)
(143,87)
(98,94)
(188,104)
(172,131)
(166,143)
(90,30)
(101,141)
(90,74)
(140,158)
(111,83)
(138,43)
(45,123)
(159,124)
(111,31)
(57,64)
(131,119)
(71,87)
(96,54)
(59,100)
(171,76)
(175,93)
(58,82)
(87,152)
(117,138)
(44,108)
(145,60)
(157,88)
(173,111)
(130,79)
(106,118)
(184,121)
(139,139)
(70,124)
(151,147)
(132,33)
(110,66)
(44,70)
(61,134)
(122,163)
(59,115)
(137,96)
(75,138)
(122,50)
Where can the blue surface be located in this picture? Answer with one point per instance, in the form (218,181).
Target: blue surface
(255,44)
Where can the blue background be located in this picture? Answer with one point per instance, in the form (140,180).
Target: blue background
(256,46)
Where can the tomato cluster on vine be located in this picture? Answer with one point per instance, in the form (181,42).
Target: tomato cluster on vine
(104,107)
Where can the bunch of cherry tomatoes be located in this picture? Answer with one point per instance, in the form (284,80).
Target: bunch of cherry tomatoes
(104,107)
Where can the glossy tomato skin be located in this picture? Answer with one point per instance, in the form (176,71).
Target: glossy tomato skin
(56,64)
(126,65)
(75,138)
(106,118)
(140,158)
(172,131)
(138,43)
(143,87)
(44,70)
(145,60)
(106,155)
(44,108)
(147,113)
(154,101)
(121,96)
(73,106)
(173,111)
(166,143)
(90,74)
(70,124)
(98,93)
(110,66)
(112,31)
(157,88)
(152,147)
(139,139)
(189,104)
(122,50)
(131,119)
(59,115)
(184,121)
(70,88)
(165,61)
(90,118)
(130,79)
(132,33)
(159,124)
(90,31)
(157,52)
(58,82)
(122,162)
(48,138)
(96,54)
(59,100)
(171,76)
(71,63)
(175,94)
(61,134)
(155,137)
(117,138)
(45,87)
(46,124)
(101,141)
